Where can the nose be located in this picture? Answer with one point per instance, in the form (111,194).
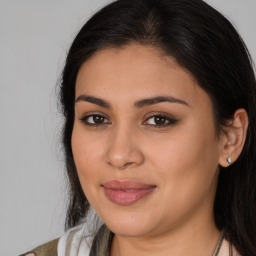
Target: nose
(124,149)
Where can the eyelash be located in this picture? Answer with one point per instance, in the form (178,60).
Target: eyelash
(85,120)
(167,120)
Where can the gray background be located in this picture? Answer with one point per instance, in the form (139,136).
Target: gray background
(34,39)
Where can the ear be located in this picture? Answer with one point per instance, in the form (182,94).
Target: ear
(233,138)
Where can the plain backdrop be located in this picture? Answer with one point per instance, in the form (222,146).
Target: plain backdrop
(34,39)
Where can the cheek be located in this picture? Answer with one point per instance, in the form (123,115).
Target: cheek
(87,153)
(186,171)
(188,160)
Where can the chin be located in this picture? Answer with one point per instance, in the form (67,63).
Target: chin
(130,225)
(128,230)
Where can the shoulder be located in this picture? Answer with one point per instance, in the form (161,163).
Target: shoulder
(73,242)
(78,241)
(48,249)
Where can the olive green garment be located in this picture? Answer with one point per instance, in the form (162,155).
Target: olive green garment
(100,246)
(48,249)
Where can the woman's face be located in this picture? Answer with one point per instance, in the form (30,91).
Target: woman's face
(144,142)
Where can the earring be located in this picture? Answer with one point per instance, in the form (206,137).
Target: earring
(229,160)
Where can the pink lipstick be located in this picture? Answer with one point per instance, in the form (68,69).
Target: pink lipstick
(126,192)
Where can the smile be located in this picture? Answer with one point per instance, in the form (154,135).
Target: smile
(126,192)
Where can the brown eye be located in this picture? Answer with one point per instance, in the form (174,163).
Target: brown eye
(160,121)
(95,120)
(98,119)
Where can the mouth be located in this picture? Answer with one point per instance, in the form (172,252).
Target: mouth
(125,193)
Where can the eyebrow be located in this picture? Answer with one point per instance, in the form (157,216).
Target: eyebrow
(94,100)
(138,104)
(159,99)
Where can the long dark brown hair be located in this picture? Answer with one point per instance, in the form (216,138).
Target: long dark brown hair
(207,45)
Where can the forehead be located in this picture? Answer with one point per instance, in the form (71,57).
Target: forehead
(137,71)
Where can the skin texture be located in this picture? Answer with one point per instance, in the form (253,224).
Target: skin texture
(179,158)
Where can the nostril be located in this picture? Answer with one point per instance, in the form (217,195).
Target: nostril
(122,152)
(120,164)
(127,164)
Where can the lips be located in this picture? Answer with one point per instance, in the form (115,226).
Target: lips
(125,193)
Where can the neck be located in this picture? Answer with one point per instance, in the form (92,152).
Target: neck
(196,240)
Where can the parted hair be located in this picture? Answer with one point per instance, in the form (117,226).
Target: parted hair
(207,45)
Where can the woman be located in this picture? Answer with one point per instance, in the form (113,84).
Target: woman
(159,100)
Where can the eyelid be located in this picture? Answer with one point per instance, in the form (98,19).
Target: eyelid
(86,116)
(171,120)
(93,113)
